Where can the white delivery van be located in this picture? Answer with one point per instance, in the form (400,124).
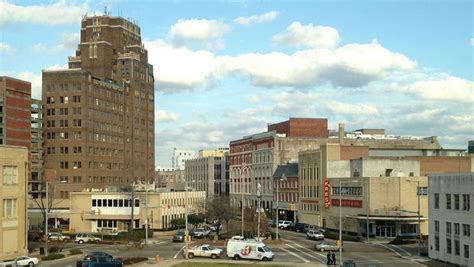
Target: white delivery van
(248,249)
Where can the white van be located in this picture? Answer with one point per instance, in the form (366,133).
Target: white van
(248,249)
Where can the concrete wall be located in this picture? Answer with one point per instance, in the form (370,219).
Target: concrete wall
(13,229)
(451,183)
(378,167)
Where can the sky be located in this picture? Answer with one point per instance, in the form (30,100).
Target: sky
(225,69)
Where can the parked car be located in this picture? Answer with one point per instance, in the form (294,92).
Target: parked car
(316,228)
(119,233)
(96,261)
(87,238)
(315,235)
(179,236)
(272,223)
(201,232)
(205,251)
(300,227)
(285,224)
(327,246)
(58,237)
(25,261)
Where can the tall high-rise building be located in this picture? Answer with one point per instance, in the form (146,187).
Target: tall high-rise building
(99,113)
(180,156)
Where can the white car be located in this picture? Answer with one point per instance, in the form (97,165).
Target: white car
(204,251)
(86,238)
(237,237)
(26,261)
(313,234)
(284,224)
(201,232)
(58,237)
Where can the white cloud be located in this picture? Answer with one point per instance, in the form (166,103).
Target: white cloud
(61,12)
(255,19)
(310,35)
(5,48)
(339,108)
(68,42)
(204,32)
(165,116)
(447,89)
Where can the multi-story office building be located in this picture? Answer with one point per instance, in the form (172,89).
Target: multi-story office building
(285,183)
(209,174)
(108,212)
(36,187)
(98,114)
(180,156)
(13,201)
(451,221)
(255,158)
(170,179)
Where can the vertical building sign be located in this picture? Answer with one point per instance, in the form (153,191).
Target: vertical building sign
(326,193)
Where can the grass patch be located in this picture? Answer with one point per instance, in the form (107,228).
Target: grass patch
(220,264)
(129,261)
(53,256)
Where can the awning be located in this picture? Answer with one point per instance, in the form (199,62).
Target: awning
(389,218)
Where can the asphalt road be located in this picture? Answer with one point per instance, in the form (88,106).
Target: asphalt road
(294,249)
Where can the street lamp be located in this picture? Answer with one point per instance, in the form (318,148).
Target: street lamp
(282,179)
(259,197)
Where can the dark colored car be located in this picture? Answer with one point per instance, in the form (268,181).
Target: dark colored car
(94,261)
(300,227)
(179,236)
(92,257)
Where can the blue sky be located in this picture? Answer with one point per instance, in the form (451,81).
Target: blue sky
(224,69)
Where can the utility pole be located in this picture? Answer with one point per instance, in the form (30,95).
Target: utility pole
(46,210)
(259,197)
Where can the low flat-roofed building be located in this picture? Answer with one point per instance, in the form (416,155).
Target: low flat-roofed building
(451,222)
(13,194)
(112,211)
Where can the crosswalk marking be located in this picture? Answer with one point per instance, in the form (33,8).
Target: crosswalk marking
(296,255)
(312,256)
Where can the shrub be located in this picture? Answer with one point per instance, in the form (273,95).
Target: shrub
(53,256)
(55,249)
(134,260)
(272,234)
(75,251)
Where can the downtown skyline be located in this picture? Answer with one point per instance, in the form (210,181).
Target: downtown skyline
(226,69)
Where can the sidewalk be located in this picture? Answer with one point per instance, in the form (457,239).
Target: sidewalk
(170,263)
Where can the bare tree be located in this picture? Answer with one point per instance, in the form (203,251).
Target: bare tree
(46,205)
(219,208)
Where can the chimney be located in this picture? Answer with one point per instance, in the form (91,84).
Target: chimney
(341,133)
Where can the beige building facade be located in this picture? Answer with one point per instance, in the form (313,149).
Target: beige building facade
(14,173)
(93,212)
(207,174)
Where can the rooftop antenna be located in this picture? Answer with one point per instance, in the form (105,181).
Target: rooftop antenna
(105,10)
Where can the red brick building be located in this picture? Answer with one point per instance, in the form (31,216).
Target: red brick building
(15,112)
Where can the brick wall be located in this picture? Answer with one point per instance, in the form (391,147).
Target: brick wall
(354,152)
(304,127)
(430,165)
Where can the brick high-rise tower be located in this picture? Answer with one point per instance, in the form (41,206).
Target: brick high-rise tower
(99,113)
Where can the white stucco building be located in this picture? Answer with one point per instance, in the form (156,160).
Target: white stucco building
(180,156)
(451,218)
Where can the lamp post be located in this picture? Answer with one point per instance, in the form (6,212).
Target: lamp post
(283,179)
(242,168)
(259,196)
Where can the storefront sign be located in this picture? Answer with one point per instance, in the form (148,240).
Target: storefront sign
(326,193)
(347,203)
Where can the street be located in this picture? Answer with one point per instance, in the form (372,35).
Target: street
(294,248)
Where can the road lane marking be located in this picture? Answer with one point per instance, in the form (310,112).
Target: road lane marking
(315,252)
(395,246)
(394,251)
(306,253)
(296,255)
(175,256)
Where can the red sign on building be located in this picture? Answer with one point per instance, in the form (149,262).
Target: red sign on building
(347,203)
(326,193)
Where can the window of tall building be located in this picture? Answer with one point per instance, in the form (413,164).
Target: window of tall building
(448,246)
(64,150)
(50,100)
(64,165)
(436,201)
(448,228)
(457,249)
(466,251)
(63,179)
(9,208)
(77,149)
(448,201)
(466,205)
(456,201)
(466,229)
(457,229)
(63,111)
(436,226)
(63,135)
(63,123)
(76,99)
(10,176)
(64,99)
(437,243)
(77,165)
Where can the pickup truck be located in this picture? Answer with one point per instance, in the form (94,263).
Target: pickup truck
(103,261)
(204,251)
